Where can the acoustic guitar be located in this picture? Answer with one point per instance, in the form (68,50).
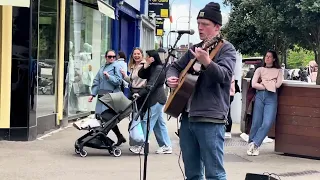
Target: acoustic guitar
(179,97)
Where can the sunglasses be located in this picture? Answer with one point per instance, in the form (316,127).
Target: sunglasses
(111,57)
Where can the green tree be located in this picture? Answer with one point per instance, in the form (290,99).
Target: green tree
(299,57)
(310,27)
(256,26)
(277,24)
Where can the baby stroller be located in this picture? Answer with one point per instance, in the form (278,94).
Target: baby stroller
(120,107)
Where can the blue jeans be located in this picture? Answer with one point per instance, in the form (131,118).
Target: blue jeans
(264,115)
(157,125)
(202,149)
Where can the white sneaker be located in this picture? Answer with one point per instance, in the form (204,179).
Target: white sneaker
(253,150)
(245,137)
(227,135)
(137,149)
(250,149)
(164,150)
(267,140)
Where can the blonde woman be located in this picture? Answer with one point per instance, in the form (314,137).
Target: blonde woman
(135,63)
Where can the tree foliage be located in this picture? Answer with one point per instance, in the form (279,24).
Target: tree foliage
(258,25)
(299,57)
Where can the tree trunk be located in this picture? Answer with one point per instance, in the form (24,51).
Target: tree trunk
(317,59)
(285,56)
(318,78)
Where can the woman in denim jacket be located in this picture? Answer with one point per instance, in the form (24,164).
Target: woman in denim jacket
(107,80)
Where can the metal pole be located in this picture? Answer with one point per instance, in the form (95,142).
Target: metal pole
(168,43)
(189,23)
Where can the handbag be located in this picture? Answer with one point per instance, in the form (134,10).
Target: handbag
(136,135)
(264,176)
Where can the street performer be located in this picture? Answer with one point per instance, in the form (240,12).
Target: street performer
(203,121)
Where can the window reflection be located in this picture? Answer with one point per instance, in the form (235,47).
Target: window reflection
(89,39)
(47,57)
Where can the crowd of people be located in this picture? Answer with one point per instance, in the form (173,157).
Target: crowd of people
(206,120)
(305,74)
(112,77)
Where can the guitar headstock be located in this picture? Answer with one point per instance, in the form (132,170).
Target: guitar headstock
(212,43)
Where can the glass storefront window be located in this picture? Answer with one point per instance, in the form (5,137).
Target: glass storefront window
(90,33)
(147,39)
(47,57)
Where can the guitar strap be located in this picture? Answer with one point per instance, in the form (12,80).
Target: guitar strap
(213,53)
(215,50)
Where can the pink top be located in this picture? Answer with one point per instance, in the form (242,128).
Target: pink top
(233,87)
(267,78)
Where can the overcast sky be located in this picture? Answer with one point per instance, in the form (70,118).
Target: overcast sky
(180,9)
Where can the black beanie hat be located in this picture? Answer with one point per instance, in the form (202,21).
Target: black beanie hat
(211,12)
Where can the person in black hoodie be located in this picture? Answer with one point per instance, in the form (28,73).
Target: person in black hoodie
(156,101)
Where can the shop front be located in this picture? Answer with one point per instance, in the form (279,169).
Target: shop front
(88,37)
(148,27)
(31,68)
(50,52)
(147,34)
(126,27)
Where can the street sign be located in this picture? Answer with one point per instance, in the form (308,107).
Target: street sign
(159,27)
(106,9)
(159,7)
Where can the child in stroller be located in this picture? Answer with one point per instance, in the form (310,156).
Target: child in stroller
(119,107)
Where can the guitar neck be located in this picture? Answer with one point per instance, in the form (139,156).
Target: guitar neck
(186,69)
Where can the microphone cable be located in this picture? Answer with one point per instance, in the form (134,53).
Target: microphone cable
(184,177)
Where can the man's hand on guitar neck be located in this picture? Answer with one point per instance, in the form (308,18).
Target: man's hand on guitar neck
(172,82)
(202,56)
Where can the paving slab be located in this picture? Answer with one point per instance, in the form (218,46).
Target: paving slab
(53,158)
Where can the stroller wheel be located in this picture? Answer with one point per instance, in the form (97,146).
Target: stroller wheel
(117,152)
(110,152)
(76,150)
(83,153)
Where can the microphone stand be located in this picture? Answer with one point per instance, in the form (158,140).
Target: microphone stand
(150,89)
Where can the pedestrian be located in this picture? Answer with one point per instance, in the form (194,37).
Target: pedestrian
(121,58)
(136,83)
(107,80)
(229,122)
(202,128)
(266,80)
(136,62)
(152,68)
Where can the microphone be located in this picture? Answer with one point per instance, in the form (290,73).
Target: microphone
(191,31)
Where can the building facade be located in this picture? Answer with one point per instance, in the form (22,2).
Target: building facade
(32,56)
(88,36)
(148,27)
(126,26)
(48,48)
(50,52)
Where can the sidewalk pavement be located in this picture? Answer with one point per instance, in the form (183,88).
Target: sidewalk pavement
(52,157)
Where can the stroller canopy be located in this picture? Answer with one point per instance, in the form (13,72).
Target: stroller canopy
(118,102)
